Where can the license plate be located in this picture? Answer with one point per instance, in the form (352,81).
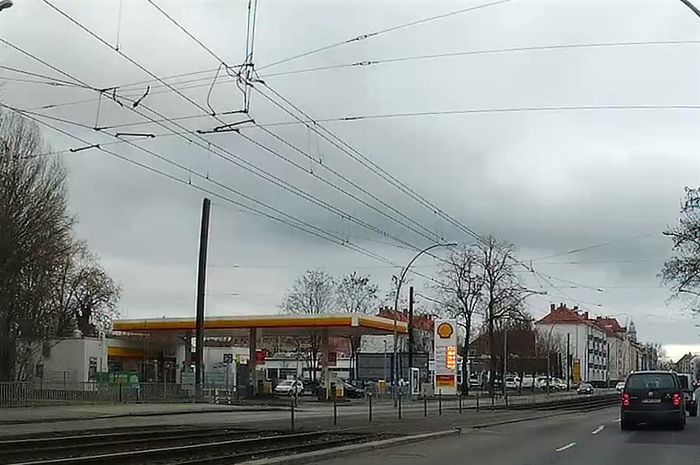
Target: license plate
(651,401)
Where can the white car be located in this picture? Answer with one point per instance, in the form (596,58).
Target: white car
(619,387)
(559,384)
(289,387)
(512,382)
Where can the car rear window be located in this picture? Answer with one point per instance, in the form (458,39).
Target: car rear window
(684,381)
(651,381)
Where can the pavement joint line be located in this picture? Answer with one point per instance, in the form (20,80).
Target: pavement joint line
(598,429)
(343,451)
(568,446)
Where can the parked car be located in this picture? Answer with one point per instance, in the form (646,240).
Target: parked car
(289,387)
(585,389)
(691,405)
(528,381)
(541,382)
(512,382)
(353,392)
(559,384)
(620,386)
(474,381)
(652,397)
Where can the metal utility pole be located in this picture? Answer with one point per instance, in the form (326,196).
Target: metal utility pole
(410,330)
(568,361)
(505,360)
(201,286)
(692,7)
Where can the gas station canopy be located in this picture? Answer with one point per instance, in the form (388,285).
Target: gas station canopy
(282,325)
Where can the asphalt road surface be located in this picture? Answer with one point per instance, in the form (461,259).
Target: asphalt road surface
(592,438)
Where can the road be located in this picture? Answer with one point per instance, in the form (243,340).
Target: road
(592,438)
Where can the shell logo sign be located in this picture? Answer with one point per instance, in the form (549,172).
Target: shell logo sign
(445,330)
(446,356)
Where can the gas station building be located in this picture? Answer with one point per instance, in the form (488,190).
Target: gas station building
(162,350)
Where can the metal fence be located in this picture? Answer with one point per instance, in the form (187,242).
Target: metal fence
(22,394)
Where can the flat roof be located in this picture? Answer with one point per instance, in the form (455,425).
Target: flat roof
(336,324)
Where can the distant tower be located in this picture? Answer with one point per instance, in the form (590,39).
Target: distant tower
(632,332)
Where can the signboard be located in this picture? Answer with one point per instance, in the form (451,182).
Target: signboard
(577,371)
(446,357)
(228,358)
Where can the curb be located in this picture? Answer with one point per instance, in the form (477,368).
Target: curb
(343,451)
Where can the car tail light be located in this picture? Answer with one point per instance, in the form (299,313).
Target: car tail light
(677,398)
(625,400)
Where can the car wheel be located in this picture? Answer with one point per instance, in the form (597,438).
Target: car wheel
(693,410)
(625,425)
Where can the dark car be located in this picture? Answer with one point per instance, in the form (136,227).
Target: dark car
(352,391)
(585,389)
(691,405)
(652,397)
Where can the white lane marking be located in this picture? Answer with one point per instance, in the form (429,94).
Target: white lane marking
(617,420)
(598,429)
(563,448)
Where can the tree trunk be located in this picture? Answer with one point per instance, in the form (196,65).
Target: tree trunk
(465,358)
(492,349)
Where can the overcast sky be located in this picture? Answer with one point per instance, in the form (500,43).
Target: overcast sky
(548,181)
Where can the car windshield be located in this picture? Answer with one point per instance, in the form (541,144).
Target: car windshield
(286,383)
(651,381)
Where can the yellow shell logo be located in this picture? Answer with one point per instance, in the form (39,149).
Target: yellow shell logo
(445,330)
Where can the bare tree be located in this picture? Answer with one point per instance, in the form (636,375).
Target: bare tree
(312,294)
(42,295)
(356,294)
(503,293)
(35,238)
(461,285)
(682,271)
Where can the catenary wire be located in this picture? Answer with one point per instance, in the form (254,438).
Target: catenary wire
(153,75)
(382,31)
(274,179)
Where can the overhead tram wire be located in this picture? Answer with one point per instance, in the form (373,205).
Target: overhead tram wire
(432,56)
(431,236)
(595,246)
(246,165)
(206,81)
(382,31)
(329,237)
(255,170)
(360,158)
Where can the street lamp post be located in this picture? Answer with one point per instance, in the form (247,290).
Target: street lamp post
(402,277)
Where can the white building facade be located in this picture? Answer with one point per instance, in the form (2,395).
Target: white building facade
(587,344)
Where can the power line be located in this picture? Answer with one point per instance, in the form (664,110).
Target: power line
(206,81)
(246,165)
(382,31)
(267,176)
(433,56)
(430,235)
(595,246)
(319,232)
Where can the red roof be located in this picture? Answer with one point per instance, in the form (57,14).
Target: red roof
(424,322)
(564,315)
(609,325)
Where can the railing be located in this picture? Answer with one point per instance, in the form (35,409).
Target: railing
(20,394)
